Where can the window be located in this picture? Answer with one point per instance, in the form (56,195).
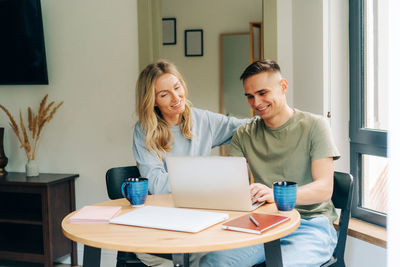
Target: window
(368,108)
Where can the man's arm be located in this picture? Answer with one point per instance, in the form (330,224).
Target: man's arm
(319,190)
(323,151)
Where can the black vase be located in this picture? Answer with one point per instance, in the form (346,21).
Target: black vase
(3,158)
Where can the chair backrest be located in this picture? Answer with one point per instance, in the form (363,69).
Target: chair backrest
(341,198)
(115,178)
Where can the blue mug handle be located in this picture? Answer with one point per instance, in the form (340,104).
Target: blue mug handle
(123,190)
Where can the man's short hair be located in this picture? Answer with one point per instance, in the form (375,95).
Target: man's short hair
(259,66)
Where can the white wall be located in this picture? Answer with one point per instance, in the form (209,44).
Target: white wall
(91,49)
(285,45)
(363,254)
(308,58)
(339,79)
(215,17)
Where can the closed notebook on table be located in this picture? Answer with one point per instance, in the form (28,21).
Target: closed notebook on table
(245,224)
(95,214)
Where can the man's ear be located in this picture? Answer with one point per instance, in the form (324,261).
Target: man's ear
(284,85)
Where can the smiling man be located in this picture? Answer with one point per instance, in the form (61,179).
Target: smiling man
(266,94)
(284,143)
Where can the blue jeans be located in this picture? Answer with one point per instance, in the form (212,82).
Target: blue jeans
(311,244)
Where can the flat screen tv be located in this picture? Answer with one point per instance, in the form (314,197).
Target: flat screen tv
(22,52)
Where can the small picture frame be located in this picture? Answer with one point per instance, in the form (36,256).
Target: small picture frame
(194,43)
(169,31)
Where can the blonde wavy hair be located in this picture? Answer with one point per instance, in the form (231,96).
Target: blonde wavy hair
(158,137)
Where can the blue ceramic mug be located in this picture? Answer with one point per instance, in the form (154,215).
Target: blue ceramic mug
(285,194)
(135,190)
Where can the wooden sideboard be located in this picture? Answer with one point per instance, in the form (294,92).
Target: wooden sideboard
(31,211)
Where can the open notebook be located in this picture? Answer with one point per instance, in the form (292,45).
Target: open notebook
(177,219)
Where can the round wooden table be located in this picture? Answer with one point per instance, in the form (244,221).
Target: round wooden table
(148,240)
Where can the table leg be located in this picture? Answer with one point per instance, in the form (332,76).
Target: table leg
(273,255)
(180,260)
(91,256)
(74,256)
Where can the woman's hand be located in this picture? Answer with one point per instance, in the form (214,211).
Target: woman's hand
(261,193)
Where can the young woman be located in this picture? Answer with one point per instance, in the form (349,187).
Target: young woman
(168,125)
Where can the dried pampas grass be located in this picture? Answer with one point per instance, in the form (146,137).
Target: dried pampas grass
(36,123)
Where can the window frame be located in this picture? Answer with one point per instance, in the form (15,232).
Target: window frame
(362,140)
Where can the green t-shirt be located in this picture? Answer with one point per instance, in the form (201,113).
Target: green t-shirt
(286,153)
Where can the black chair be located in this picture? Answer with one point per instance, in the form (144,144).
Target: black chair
(341,198)
(114,180)
(115,177)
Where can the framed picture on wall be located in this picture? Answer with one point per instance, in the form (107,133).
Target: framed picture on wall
(169,31)
(194,43)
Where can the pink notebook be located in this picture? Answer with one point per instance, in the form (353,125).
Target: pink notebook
(95,214)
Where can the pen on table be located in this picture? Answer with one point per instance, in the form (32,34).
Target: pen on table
(254,220)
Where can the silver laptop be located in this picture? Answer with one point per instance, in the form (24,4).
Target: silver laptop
(210,183)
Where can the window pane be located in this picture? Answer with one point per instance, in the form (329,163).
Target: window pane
(375,64)
(374,179)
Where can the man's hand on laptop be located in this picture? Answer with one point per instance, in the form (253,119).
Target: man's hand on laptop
(260,193)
